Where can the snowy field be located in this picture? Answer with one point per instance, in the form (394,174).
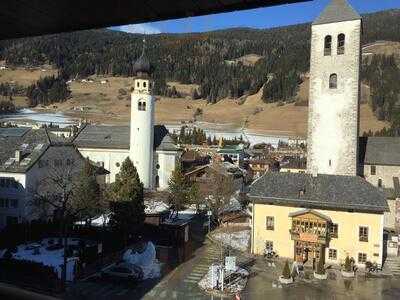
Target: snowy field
(239,240)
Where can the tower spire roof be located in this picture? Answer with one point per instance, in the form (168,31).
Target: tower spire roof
(337,11)
(142,64)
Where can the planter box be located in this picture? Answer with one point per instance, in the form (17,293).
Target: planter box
(285,280)
(321,276)
(347,274)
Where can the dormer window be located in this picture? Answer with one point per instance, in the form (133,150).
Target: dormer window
(328,45)
(340,45)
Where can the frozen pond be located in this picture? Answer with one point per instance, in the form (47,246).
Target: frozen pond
(31,116)
(252,138)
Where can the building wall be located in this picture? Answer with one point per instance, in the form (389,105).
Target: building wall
(347,242)
(333,117)
(32,180)
(386,173)
(165,163)
(13,193)
(111,159)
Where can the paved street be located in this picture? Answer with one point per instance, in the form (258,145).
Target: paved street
(182,282)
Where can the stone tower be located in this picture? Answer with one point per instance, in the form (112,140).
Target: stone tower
(333,117)
(142,121)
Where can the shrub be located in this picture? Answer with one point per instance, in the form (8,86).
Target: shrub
(320,267)
(347,264)
(286,270)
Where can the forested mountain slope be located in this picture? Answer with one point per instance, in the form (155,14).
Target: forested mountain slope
(206,59)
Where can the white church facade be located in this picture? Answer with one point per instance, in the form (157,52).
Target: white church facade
(149,146)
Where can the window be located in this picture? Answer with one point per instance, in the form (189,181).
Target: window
(144,84)
(269,223)
(333,81)
(141,106)
(362,258)
(334,230)
(379,182)
(341,41)
(14,203)
(332,254)
(330,163)
(363,234)
(138,84)
(69,162)
(58,162)
(269,245)
(373,170)
(157,181)
(327,45)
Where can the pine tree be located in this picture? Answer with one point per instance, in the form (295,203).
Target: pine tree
(286,270)
(178,190)
(127,206)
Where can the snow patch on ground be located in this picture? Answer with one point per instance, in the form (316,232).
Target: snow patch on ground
(239,240)
(53,258)
(145,259)
(213,279)
(155,207)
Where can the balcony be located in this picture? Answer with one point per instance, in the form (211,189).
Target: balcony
(309,236)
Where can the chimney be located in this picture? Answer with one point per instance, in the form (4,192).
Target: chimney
(17,156)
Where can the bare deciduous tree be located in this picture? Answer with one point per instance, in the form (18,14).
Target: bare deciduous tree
(66,192)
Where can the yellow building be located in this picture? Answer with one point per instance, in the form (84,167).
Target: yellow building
(305,217)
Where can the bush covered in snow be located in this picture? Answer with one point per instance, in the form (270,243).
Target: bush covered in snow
(145,258)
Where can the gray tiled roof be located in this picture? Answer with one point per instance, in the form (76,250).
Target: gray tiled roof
(380,150)
(118,137)
(322,191)
(31,142)
(337,11)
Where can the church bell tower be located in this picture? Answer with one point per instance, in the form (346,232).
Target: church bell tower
(142,121)
(333,117)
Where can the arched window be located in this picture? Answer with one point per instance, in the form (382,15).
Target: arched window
(157,181)
(144,83)
(328,45)
(139,107)
(379,183)
(138,84)
(340,43)
(144,106)
(333,81)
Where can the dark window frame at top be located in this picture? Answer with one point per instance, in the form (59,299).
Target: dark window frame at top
(341,41)
(373,170)
(363,232)
(334,230)
(270,223)
(328,45)
(333,79)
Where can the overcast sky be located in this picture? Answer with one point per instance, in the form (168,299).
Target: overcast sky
(256,18)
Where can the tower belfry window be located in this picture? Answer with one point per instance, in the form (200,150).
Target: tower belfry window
(328,45)
(333,81)
(341,42)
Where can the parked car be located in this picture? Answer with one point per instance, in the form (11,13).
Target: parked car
(122,271)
